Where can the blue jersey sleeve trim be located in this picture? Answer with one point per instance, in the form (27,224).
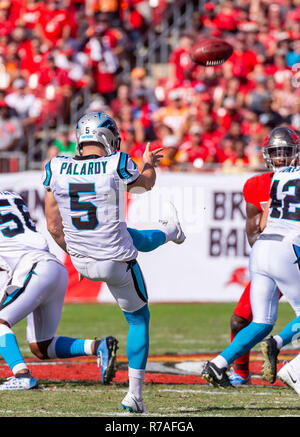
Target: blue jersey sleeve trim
(122,166)
(48,174)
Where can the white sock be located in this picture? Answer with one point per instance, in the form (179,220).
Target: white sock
(220,362)
(88,347)
(279,341)
(136,381)
(16,369)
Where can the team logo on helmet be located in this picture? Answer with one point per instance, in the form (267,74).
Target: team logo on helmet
(281,148)
(98,127)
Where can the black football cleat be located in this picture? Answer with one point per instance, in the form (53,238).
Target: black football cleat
(107,358)
(270,352)
(216,376)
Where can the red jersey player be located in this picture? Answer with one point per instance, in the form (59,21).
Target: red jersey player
(277,154)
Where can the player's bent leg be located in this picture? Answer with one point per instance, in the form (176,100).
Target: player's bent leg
(271,347)
(240,375)
(15,307)
(214,371)
(242,316)
(40,348)
(289,284)
(9,350)
(289,334)
(42,324)
(264,303)
(67,347)
(238,323)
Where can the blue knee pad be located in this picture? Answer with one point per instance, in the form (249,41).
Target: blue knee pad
(148,240)
(245,340)
(138,337)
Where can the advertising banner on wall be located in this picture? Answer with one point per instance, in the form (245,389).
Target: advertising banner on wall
(210,266)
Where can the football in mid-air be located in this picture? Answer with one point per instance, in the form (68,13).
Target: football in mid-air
(211,52)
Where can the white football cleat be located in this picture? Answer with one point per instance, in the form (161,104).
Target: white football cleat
(288,375)
(171,224)
(19,383)
(131,404)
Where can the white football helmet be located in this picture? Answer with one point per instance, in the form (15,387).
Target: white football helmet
(100,128)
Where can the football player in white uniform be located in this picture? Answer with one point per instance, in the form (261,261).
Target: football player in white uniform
(84,207)
(34,285)
(274,261)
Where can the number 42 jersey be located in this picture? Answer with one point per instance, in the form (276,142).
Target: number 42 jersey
(89,191)
(284,211)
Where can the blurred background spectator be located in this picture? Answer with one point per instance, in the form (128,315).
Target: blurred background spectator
(132,58)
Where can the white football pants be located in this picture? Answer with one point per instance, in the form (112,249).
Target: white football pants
(41,300)
(273,264)
(124,280)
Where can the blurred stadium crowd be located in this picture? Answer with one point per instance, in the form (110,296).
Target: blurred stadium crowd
(204,117)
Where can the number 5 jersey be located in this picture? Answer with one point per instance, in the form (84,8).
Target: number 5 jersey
(89,191)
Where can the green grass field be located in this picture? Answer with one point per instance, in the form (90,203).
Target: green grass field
(175,329)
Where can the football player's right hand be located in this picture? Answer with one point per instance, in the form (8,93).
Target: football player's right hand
(153,158)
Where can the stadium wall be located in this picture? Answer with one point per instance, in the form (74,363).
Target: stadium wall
(211,265)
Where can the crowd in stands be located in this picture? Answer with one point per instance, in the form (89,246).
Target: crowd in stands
(203,117)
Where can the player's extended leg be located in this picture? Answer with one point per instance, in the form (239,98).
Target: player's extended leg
(271,346)
(241,317)
(170,230)
(289,334)
(264,302)
(147,240)
(42,324)
(15,307)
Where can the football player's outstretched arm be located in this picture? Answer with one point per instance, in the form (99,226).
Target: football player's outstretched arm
(54,220)
(147,177)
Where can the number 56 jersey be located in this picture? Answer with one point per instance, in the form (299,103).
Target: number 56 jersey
(89,191)
(17,230)
(284,211)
